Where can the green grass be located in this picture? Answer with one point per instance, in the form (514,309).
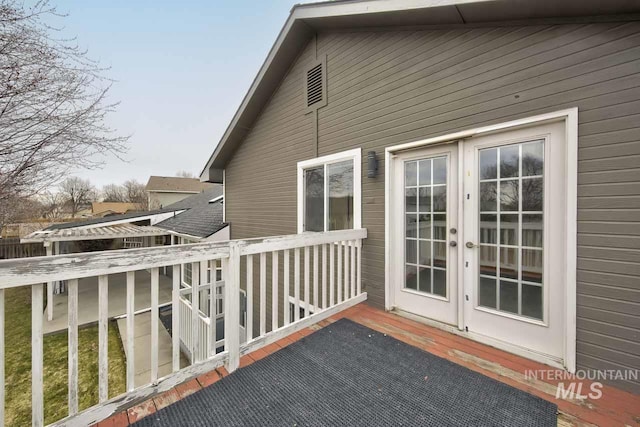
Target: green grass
(18,364)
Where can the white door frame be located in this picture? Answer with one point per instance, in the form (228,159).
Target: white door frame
(570,118)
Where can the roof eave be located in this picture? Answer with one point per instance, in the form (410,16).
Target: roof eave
(305,19)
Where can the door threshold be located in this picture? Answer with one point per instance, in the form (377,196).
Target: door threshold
(483,339)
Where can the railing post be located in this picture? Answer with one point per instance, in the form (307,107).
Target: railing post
(231,272)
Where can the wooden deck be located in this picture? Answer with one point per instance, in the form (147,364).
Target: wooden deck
(614,408)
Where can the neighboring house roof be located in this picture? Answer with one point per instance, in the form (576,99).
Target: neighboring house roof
(173,184)
(133,216)
(305,20)
(201,217)
(113,207)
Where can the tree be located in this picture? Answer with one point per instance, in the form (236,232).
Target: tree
(184,174)
(53,102)
(136,192)
(20,209)
(77,193)
(114,193)
(52,205)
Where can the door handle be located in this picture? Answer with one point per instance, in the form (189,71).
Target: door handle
(453,243)
(470,245)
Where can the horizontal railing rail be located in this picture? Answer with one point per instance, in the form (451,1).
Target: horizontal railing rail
(26,271)
(311,276)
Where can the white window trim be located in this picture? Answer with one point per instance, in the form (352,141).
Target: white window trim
(356,156)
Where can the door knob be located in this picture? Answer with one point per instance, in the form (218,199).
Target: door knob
(453,243)
(470,245)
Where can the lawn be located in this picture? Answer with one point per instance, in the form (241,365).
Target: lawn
(18,364)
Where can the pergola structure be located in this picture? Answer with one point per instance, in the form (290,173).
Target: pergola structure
(51,240)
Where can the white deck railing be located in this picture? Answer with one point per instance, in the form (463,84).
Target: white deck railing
(315,274)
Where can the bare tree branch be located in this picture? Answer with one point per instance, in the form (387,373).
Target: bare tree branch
(53,103)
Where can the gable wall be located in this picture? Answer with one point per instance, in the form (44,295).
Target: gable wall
(387,88)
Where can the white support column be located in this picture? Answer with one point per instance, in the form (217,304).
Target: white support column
(49,248)
(37,384)
(73,346)
(175,315)
(231,270)
(103,338)
(130,305)
(155,280)
(195,309)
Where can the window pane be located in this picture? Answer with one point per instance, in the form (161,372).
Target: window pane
(532,301)
(440,282)
(509,262)
(488,260)
(424,199)
(532,158)
(410,174)
(440,199)
(424,226)
(532,194)
(424,248)
(509,229)
(488,229)
(411,200)
(410,251)
(488,195)
(532,230)
(411,277)
(440,254)
(532,265)
(509,161)
(340,195)
(488,164)
(439,227)
(411,228)
(487,292)
(425,280)
(509,296)
(425,172)
(509,195)
(440,171)
(314,199)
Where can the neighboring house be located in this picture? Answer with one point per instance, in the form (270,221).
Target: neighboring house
(102,209)
(166,190)
(490,150)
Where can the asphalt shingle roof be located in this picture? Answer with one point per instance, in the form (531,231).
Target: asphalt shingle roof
(108,219)
(201,217)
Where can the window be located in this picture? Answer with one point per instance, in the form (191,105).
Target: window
(329,192)
(512,228)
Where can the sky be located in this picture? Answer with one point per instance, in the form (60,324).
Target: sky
(181,69)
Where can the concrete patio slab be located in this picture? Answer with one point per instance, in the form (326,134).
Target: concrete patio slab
(142,344)
(88,299)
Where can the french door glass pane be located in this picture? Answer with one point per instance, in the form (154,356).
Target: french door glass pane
(511,226)
(340,195)
(425,189)
(314,199)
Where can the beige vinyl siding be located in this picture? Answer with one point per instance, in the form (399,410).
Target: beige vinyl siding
(392,87)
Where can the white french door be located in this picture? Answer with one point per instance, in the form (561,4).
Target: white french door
(426,221)
(498,273)
(514,234)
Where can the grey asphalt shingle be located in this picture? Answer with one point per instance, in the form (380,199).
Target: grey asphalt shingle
(201,217)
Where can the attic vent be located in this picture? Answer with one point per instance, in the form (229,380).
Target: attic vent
(315,86)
